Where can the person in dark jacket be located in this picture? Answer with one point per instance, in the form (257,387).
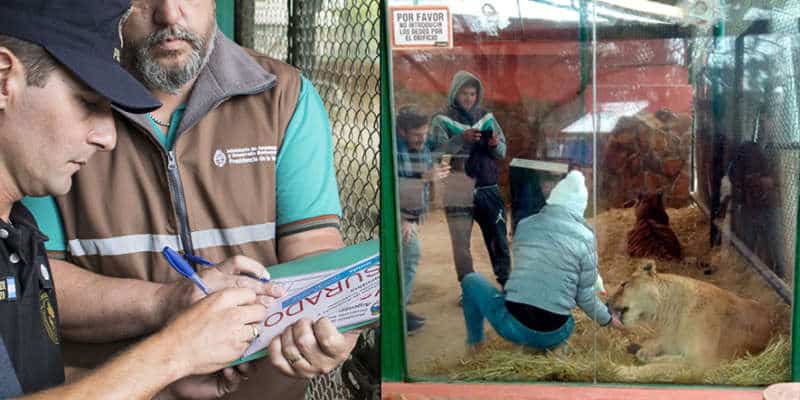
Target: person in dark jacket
(476,141)
(555,270)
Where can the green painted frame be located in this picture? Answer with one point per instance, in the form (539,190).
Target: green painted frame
(393,355)
(226,16)
(795,360)
(393,344)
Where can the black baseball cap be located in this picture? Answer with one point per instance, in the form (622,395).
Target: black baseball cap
(86,37)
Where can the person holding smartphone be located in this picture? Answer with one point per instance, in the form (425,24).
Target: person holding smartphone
(416,172)
(476,140)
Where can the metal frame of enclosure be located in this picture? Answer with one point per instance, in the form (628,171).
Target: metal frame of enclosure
(393,358)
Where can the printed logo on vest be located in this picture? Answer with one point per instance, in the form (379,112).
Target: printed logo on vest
(245,155)
(220,159)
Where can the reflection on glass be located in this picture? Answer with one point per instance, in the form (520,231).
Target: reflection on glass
(472,136)
(416,174)
(680,148)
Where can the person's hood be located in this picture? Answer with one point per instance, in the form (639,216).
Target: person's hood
(459,80)
(570,193)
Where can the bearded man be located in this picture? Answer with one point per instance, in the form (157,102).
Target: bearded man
(237,161)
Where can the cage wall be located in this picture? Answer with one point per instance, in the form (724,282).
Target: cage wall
(747,145)
(335,45)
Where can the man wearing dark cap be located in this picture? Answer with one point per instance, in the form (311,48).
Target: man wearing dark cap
(59,77)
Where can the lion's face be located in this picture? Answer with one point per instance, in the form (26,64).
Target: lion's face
(636,300)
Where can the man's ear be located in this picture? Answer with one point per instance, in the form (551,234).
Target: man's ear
(12,75)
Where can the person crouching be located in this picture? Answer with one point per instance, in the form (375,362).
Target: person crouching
(555,269)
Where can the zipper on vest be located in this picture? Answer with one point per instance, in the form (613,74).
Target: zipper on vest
(175,184)
(179,202)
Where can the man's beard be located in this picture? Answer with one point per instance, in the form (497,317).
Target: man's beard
(139,60)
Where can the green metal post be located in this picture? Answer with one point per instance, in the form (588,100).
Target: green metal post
(584,52)
(226,10)
(392,330)
(795,310)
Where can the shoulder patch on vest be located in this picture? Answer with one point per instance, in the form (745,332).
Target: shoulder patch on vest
(48,317)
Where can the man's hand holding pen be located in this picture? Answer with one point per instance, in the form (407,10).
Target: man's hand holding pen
(238,272)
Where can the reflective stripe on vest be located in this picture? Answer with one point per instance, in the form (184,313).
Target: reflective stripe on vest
(120,245)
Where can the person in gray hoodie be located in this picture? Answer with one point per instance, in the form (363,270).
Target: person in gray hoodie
(555,269)
(474,138)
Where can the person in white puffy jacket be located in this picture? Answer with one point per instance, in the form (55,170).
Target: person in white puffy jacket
(555,270)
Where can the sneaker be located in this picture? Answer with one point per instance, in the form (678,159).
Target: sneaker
(411,315)
(413,325)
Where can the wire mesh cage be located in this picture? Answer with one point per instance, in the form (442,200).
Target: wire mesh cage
(270,32)
(335,44)
(747,145)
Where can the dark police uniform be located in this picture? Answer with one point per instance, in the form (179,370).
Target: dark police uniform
(28,307)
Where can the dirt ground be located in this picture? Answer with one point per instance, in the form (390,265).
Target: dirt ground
(435,295)
(439,345)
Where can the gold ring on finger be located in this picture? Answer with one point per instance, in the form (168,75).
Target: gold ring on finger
(255,331)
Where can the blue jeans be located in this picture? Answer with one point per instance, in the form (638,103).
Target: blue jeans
(411,254)
(482,300)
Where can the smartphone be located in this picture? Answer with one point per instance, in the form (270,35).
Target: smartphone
(446,159)
(487,134)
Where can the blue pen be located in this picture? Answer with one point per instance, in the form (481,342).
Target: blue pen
(179,264)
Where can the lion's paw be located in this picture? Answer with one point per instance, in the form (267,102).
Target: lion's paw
(646,354)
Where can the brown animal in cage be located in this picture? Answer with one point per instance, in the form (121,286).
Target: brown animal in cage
(694,322)
(652,236)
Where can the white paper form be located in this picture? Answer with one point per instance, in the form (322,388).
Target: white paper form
(348,296)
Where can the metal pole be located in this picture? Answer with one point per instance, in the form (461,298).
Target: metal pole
(594,160)
(393,353)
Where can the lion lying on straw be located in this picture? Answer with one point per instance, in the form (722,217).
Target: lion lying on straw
(695,322)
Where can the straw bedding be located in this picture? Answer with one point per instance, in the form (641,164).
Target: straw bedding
(594,353)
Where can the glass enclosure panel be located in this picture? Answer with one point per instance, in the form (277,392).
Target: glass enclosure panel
(709,148)
(611,185)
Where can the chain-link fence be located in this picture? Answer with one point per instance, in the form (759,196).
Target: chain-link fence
(271,27)
(336,45)
(747,132)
